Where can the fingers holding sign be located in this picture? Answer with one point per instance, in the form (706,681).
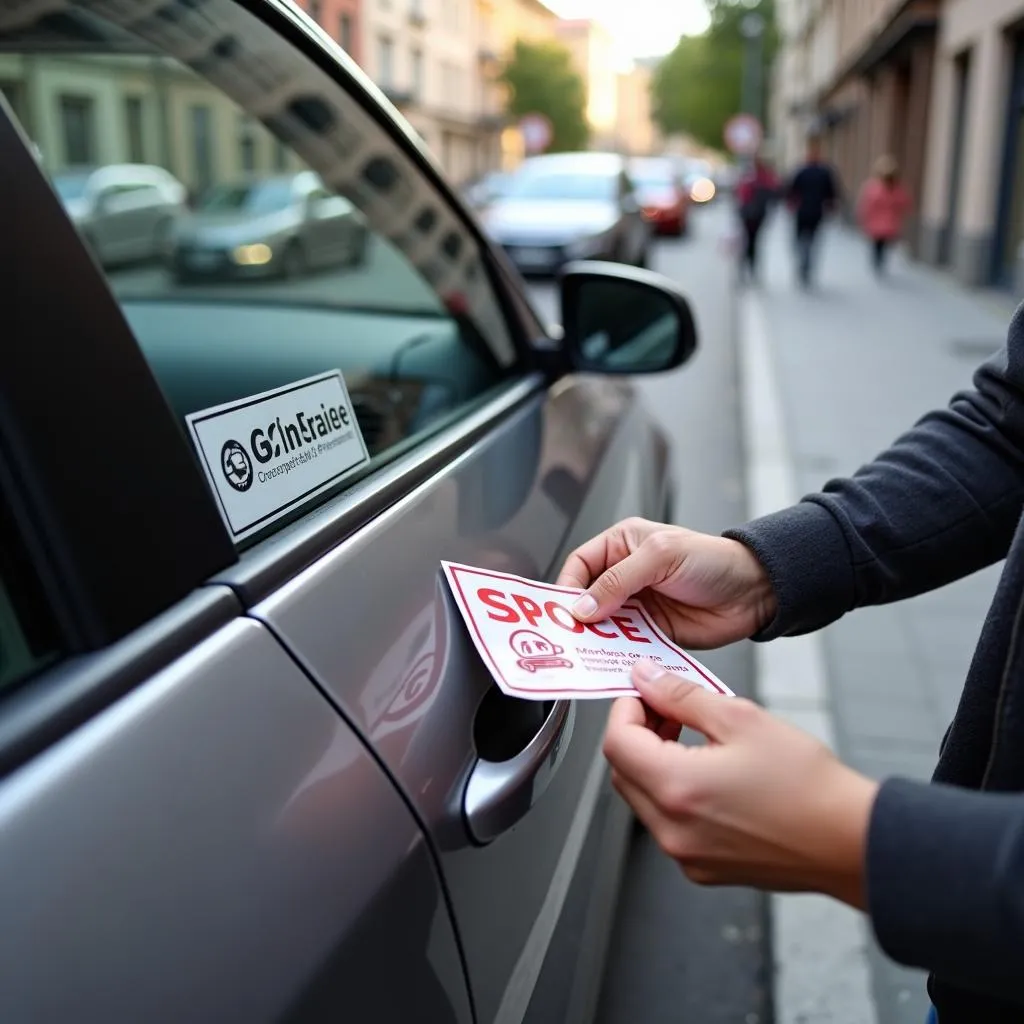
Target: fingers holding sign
(757,806)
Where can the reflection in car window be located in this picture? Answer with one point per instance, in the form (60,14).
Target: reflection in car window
(562,186)
(253,198)
(307,242)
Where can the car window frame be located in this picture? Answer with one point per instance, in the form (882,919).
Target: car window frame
(103,658)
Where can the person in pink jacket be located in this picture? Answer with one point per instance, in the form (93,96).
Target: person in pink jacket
(883,205)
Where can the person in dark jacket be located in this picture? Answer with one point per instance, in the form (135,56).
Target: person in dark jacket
(813,194)
(938,867)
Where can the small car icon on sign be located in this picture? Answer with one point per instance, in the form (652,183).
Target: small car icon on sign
(536,652)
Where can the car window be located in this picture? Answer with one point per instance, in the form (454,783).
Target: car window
(562,185)
(239,289)
(28,634)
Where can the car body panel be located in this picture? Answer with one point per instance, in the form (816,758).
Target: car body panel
(198,882)
(374,624)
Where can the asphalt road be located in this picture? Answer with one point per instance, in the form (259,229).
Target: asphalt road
(683,954)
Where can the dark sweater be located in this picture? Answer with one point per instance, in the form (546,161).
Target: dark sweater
(945,863)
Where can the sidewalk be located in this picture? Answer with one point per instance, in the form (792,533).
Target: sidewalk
(847,367)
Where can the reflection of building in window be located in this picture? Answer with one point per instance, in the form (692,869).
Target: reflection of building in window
(280,155)
(77,118)
(202,146)
(13,92)
(133,127)
(246,144)
(416,61)
(385,62)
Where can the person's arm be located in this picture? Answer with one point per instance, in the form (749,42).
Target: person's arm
(939,504)
(945,882)
(940,870)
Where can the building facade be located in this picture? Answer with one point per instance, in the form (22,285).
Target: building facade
(973,213)
(341,20)
(635,133)
(939,84)
(592,50)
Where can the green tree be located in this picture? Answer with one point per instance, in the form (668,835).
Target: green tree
(541,80)
(699,85)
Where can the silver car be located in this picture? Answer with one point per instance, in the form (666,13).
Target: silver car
(283,226)
(126,212)
(252,768)
(569,206)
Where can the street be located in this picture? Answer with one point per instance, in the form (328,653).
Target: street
(681,953)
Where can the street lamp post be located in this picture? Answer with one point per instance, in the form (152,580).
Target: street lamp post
(752,26)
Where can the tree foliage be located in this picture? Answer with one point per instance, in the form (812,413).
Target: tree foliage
(699,85)
(541,80)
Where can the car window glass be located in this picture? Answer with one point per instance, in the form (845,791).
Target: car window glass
(233,283)
(28,635)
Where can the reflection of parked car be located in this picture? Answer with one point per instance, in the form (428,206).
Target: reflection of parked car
(663,196)
(124,211)
(269,227)
(569,206)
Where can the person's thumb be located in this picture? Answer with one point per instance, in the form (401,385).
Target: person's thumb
(682,701)
(618,583)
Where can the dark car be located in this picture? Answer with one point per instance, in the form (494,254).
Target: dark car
(252,768)
(569,206)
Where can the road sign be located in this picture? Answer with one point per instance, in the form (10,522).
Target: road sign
(743,134)
(536,132)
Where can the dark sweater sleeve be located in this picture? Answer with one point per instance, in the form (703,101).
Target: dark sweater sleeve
(941,503)
(944,879)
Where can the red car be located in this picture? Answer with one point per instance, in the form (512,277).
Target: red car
(663,196)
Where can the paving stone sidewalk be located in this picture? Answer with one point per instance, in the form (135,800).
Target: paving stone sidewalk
(857,361)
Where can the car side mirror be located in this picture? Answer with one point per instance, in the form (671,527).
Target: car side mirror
(619,319)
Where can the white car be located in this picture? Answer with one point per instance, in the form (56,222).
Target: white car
(125,212)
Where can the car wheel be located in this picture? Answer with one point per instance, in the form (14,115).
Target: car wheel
(293,262)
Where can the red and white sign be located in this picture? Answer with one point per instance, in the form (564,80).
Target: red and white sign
(743,134)
(535,649)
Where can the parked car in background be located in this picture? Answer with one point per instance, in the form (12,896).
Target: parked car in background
(125,212)
(486,189)
(252,767)
(663,197)
(284,226)
(569,206)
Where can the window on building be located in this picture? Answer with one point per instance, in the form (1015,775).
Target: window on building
(78,126)
(201,118)
(134,129)
(246,144)
(345,31)
(385,61)
(416,64)
(315,10)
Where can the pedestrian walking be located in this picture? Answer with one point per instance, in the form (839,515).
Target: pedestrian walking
(813,194)
(881,209)
(938,867)
(756,190)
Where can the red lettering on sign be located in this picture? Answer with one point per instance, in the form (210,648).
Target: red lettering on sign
(530,609)
(562,617)
(491,599)
(629,629)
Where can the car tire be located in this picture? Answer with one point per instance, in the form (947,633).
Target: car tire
(293,262)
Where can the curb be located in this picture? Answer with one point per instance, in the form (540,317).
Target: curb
(819,946)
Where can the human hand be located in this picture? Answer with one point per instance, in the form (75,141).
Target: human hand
(703,591)
(763,804)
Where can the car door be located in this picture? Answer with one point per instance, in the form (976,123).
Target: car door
(469,455)
(189,829)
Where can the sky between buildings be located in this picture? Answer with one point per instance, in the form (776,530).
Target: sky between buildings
(641,28)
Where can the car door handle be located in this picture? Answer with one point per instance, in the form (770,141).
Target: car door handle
(499,793)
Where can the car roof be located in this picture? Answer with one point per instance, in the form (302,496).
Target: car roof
(581,163)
